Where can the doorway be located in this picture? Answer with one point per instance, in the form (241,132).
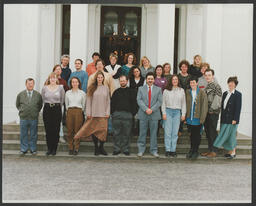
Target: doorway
(120,32)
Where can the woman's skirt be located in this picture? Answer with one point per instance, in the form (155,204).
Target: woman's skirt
(97,126)
(226,137)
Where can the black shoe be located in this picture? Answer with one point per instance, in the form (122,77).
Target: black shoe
(102,151)
(126,153)
(167,154)
(75,152)
(70,152)
(231,156)
(194,155)
(189,154)
(173,154)
(116,153)
(53,153)
(226,155)
(48,153)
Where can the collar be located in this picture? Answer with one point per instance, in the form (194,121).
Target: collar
(113,66)
(233,91)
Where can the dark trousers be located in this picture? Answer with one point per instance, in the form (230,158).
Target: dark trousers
(52,119)
(210,127)
(122,128)
(195,137)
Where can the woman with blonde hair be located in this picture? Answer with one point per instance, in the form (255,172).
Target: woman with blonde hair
(53,96)
(97,112)
(194,69)
(145,66)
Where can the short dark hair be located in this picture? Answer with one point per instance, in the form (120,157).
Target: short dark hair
(30,79)
(193,78)
(150,74)
(99,60)
(79,60)
(210,70)
(159,66)
(184,62)
(233,79)
(130,75)
(123,76)
(95,54)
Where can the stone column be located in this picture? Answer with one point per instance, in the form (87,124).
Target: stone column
(165,34)
(78,33)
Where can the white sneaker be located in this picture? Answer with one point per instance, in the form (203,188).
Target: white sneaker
(140,154)
(62,140)
(155,155)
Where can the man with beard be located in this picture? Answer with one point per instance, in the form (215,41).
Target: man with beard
(123,108)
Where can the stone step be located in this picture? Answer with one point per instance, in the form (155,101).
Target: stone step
(89,147)
(184,139)
(121,157)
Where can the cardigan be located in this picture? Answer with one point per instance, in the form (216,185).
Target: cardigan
(201,105)
(233,108)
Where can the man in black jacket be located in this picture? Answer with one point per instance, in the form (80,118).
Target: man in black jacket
(123,108)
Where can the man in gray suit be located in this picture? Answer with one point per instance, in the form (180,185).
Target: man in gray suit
(149,99)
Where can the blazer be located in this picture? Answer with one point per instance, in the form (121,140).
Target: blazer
(233,108)
(156,102)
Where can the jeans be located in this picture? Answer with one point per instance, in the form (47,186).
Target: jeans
(144,125)
(171,128)
(25,126)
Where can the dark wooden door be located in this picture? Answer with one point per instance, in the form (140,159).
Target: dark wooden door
(120,32)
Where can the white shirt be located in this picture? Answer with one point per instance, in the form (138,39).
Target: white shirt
(75,99)
(30,92)
(193,96)
(151,88)
(227,98)
(174,99)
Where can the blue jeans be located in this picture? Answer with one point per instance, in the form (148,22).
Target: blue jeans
(25,126)
(144,125)
(110,129)
(171,128)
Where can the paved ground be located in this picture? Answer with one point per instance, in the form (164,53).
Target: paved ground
(56,179)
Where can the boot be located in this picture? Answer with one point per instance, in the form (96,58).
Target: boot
(102,151)
(95,141)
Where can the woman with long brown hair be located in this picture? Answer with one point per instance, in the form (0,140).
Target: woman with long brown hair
(130,61)
(75,103)
(97,112)
(174,110)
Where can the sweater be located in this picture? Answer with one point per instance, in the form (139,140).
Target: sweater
(108,81)
(124,99)
(75,99)
(214,93)
(194,71)
(29,110)
(161,82)
(174,99)
(65,74)
(82,76)
(52,97)
(98,105)
(145,71)
(184,81)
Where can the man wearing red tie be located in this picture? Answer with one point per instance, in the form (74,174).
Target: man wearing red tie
(149,99)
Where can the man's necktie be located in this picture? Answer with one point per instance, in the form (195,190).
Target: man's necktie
(149,98)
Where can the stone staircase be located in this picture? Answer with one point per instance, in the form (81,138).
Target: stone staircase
(11,145)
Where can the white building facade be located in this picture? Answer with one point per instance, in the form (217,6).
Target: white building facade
(221,33)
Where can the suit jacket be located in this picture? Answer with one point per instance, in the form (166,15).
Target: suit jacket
(156,102)
(233,108)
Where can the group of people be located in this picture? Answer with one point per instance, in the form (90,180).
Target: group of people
(129,99)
